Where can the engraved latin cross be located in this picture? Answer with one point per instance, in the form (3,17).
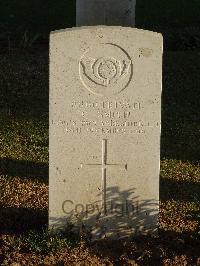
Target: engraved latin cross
(104,165)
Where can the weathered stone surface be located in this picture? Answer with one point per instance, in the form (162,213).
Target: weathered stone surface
(105,12)
(105,113)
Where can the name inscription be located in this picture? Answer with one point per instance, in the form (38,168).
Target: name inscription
(106,117)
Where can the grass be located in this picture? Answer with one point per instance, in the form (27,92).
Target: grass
(40,242)
(24,172)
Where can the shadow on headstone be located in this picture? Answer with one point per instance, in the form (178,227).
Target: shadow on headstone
(123,216)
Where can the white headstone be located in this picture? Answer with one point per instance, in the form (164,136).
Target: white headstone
(105,12)
(105,114)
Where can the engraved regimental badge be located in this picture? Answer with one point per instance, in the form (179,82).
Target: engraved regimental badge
(105,69)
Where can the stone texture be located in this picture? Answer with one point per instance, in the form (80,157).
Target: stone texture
(105,12)
(105,113)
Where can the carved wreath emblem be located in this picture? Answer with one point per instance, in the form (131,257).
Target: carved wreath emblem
(106,75)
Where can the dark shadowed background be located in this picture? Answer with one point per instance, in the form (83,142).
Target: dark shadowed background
(27,22)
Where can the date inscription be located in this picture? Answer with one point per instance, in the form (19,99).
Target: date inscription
(106,117)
